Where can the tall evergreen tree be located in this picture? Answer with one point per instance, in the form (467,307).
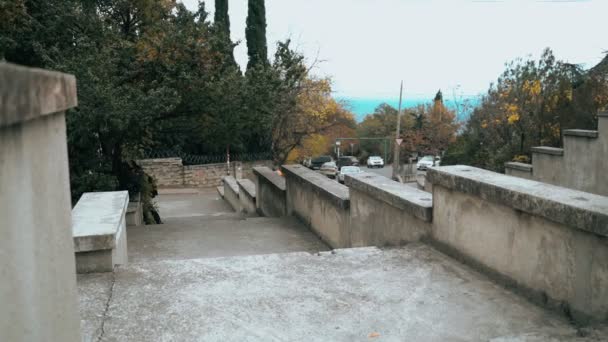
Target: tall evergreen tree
(255,32)
(221,18)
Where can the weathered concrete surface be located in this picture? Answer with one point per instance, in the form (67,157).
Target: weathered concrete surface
(407,294)
(204,225)
(572,208)
(413,201)
(512,229)
(231,192)
(581,164)
(97,220)
(321,203)
(520,170)
(99,225)
(29,93)
(94,290)
(198,237)
(135,212)
(203,203)
(387,213)
(270,192)
(247,196)
(38,298)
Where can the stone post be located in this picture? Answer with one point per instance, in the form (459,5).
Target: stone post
(38,295)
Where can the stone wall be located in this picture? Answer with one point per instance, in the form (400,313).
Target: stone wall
(171,173)
(38,297)
(270,192)
(387,213)
(549,242)
(582,164)
(321,203)
(231,193)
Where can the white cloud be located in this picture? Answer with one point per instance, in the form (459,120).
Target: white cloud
(369,46)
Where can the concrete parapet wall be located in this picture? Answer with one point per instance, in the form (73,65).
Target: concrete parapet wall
(247,196)
(38,297)
(99,228)
(546,240)
(231,192)
(270,192)
(520,170)
(170,172)
(321,203)
(582,163)
(387,213)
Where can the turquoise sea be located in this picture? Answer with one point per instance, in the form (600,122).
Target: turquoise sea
(362,107)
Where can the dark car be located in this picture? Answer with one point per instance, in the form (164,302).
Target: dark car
(317,162)
(347,161)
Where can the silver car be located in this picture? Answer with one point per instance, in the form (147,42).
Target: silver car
(330,169)
(348,170)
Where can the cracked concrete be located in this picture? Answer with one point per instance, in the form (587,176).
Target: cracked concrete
(178,289)
(412,293)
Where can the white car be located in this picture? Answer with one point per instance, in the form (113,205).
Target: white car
(348,170)
(428,161)
(375,161)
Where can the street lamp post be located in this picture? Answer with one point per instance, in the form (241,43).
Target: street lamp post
(397,135)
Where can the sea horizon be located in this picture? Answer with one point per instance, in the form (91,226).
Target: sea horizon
(364,106)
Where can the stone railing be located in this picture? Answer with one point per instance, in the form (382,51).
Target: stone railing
(231,192)
(321,203)
(99,231)
(270,192)
(548,241)
(38,282)
(580,165)
(247,196)
(384,212)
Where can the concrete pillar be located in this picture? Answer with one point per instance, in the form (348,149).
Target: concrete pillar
(37,272)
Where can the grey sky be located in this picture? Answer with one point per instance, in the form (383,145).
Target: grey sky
(367,46)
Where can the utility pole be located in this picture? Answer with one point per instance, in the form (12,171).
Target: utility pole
(397,136)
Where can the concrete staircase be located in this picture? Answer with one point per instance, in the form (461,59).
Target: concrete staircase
(411,293)
(582,164)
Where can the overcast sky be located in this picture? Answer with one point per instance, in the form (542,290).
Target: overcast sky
(368,46)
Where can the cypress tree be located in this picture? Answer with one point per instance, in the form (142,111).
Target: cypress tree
(221,18)
(255,32)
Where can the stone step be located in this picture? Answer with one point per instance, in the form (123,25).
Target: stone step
(581,133)
(548,150)
(411,293)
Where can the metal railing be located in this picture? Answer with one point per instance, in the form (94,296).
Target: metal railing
(191,159)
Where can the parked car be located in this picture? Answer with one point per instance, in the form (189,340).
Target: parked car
(347,161)
(330,169)
(348,170)
(317,162)
(428,161)
(375,161)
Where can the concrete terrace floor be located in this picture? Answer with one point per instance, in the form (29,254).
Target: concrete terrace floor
(191,280)
(203,225)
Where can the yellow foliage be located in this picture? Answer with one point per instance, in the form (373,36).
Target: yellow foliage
(513,118)
(533,88)
(484,124)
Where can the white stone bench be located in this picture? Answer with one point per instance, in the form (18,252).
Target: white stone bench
(99,231)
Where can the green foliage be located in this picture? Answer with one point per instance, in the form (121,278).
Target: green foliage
(153,75)
(255,33)
(530,105)
(221,18)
